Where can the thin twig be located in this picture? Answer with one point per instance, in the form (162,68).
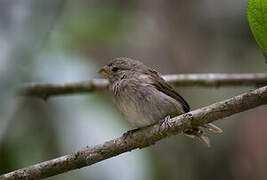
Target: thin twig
(218,79)
(142,138)
(45,90)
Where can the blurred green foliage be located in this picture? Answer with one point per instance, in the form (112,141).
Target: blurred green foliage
(257,17)
(95,26)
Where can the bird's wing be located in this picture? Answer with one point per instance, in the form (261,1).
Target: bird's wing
(164,87)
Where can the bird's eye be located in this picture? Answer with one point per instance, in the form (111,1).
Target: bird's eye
(115,69)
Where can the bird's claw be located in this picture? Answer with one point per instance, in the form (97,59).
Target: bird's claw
(166,122)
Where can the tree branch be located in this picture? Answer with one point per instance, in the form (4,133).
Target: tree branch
(142,138)
(45,90)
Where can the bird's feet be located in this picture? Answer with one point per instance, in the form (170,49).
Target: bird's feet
(165,121)
(197,133)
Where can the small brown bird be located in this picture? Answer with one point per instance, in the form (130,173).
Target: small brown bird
(145,98)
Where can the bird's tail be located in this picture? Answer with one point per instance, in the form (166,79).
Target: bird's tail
(198,133)
(213,128)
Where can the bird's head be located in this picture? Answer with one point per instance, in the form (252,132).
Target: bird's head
(121,67)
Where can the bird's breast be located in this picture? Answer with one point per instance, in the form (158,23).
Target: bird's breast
(143,105)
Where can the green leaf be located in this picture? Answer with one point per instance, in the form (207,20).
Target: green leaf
(257,18)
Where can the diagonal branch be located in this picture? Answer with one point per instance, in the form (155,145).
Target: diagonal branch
(142,138)
(45,90)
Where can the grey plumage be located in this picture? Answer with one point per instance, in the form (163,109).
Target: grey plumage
(143,96)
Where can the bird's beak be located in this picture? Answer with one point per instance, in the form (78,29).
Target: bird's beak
(103,71)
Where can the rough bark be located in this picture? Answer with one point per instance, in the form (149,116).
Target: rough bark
(142,138)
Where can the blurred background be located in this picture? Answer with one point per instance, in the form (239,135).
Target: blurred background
(60,41)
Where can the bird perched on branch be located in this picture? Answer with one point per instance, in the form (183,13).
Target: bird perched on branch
(145,98)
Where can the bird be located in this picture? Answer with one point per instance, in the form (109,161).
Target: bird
(144,98)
